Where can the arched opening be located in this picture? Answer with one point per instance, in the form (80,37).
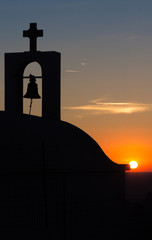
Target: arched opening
(33,68)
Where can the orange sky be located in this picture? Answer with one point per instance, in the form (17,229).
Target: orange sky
(125,151)
(122,144)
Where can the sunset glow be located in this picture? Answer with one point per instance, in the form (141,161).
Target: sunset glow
(133,164)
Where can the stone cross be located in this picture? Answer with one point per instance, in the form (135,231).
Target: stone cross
(32,34)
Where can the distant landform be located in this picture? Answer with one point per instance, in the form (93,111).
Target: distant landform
(138,186)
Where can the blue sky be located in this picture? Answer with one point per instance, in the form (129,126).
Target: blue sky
(113,36)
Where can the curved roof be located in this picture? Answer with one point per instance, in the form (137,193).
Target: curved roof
(33,143)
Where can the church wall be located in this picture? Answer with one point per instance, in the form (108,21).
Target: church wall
(78,206)
(32,205)
(95,204)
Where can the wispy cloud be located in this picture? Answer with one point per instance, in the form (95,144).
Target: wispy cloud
(97,106)
(72,71)
(83,63)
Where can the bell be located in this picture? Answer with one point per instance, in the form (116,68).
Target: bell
(32,89)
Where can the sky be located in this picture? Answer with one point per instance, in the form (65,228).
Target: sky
(106,76)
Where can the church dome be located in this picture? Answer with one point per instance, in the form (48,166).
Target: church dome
(32,143)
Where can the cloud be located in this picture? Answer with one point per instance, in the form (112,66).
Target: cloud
(97,106)
(79,116)
(72,71)
(83,64)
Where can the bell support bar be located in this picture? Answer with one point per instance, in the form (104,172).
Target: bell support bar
(33,75)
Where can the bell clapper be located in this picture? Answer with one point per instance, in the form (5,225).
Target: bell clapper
(30,106)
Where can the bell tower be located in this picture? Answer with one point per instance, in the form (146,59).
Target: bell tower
(15,63)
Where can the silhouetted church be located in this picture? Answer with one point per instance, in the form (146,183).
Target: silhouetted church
(55,180)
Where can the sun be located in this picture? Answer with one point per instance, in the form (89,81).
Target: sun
(133,164)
